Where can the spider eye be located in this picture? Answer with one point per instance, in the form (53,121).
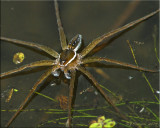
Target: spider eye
(75,42)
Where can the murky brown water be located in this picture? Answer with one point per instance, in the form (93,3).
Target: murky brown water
(36,22)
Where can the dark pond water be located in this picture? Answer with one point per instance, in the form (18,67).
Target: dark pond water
(36,22)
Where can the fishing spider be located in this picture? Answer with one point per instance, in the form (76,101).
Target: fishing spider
(69,60)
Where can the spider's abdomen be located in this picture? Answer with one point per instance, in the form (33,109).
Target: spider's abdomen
(67,56)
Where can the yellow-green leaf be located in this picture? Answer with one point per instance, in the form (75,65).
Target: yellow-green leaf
(109,123)
(96,125)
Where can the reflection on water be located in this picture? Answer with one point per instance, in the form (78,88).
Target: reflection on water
(36,22)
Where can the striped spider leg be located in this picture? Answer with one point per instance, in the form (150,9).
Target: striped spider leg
(99,59)
(69,61)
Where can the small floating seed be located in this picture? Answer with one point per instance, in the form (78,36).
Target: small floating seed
(18,58)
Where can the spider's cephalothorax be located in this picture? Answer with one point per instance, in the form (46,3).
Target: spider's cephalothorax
(69,59)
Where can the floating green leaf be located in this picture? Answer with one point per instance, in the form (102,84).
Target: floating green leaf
(109,123)
(96,125)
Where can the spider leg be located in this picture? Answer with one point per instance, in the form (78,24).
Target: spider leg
(71,87)
(98,59)
(41,47)
(34,64)
(60,28)
(87,49)
(40,80)
(84,71)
